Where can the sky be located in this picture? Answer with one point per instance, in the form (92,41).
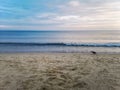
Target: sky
(59,14)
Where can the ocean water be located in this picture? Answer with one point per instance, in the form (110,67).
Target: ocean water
(60,41)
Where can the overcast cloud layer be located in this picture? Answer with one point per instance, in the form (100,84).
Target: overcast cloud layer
(60,14)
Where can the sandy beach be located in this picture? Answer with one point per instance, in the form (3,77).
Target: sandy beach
(59,71)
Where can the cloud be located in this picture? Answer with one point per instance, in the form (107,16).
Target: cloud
(62,14)
(68,17)
(5,26)
(74,3)
(1,26)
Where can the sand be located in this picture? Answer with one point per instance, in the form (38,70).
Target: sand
(59,71)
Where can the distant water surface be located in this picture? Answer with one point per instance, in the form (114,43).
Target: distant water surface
(60,41)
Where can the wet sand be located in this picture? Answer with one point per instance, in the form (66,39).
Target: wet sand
(59,71)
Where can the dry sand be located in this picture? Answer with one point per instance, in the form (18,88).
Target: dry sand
(59,71)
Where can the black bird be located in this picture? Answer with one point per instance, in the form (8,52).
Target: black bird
(93,52)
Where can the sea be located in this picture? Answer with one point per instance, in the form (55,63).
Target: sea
(84,41)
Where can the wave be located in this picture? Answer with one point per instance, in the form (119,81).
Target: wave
(64,44)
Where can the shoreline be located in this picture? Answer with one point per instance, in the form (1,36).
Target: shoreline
(89,53)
